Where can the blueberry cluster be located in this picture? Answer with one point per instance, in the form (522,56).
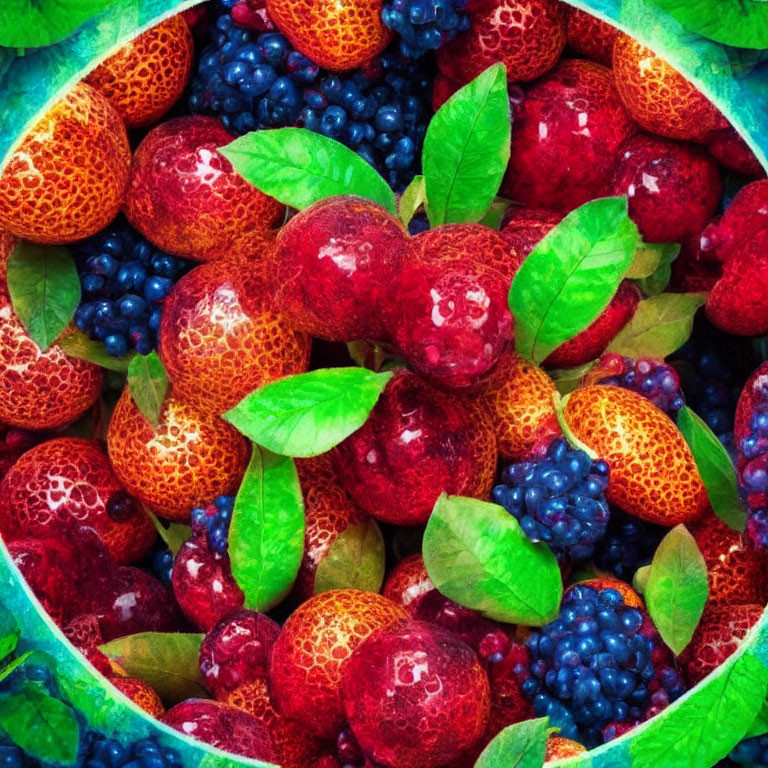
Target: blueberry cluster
(558,499)
(749,752)
(628,544)
(425,25)
(753,474)
(124,280)
(592,667)
(214,520)
(101,752)
(258,80)
(654,379)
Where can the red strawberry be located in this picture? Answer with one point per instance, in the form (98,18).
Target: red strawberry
(731,151)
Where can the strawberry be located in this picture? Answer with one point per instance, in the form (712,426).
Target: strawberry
(140,693)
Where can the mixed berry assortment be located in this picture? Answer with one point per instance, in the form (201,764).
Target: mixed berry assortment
(178,254)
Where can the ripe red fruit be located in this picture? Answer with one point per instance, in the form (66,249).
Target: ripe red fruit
(334,267)
(221,726)
(415,696)
(222,336)
(527,36)
(140,693)
(408,582)
(589,36)
(69,481)
(753,393)
(731,151)
(203,584)
(188,200)
(720,630)
(236,651)
(13,443)
(312,650)
(673,189)
(508,702)
(523,228)
(417,443)
(85,634)
(565,138)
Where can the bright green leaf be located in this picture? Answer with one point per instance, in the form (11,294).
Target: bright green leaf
(35,23)
(310,413)
(411,199)
(640,579)
(571,276)
(9,633)
(716,469)
(466,149)
(522,745)
(649,257)
(677,588)
(354,559)
(168,661)
(41,725)
(477,555)
(657,281)
(759,725)
(495,213)
(173,535)
(298,168)
(266,536)
(44,288)
(148,384)
(660,326)
(77,344)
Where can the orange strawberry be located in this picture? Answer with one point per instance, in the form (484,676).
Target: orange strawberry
(653,473)
(140,693)
(559,748)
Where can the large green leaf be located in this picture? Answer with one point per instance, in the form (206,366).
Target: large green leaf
(522,745)
(477,555)
(466,149)
(308,414)
(571,275)
(298,168)
(266,536)
(34,23)
(355,559)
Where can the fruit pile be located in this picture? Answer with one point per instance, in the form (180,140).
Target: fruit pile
(398,459)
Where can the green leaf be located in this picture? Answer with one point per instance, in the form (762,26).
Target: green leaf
(266,536)
(571,275)
(148,384)
(657,281)
(35,23)
(308,414)
(298,168)
(354,559)
(677,588)
(740,23)
(466,149)
(411,199)
(522,745)
(168,661)
(716,469)
(20,661)
(10,634)
(77,344)
(495,213)
(477,555)
(649,257)
(568,379)
(759,724)
(174,534)
(640,579)
(41,725)
(44,289)
(660,326)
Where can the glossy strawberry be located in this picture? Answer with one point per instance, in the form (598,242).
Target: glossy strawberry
(653,473)
(408,582)
(589,36)
(312,650)
(140,693)
(187,199)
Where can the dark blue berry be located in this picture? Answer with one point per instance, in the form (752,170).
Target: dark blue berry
(628,543)
(214,521)
(425,25)
(101,752)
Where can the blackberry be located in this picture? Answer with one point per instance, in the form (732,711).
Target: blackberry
(558,499)
(257,80)
(425,25)
(124,280)
(598,668)
(628,543)
(101,752)
(214,520)
(652,378)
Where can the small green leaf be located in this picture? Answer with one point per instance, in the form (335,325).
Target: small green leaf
(174,534)
(266,536)
(44,289)
(716,469)
(565,427)
(41,725)
(759,726)
(677,588)
(660,326)
(77,344)
(354,559)
(568,379)
(495,213)
(657,282)
(571,276)
(10,638)
(168,661)
(308,414)
(739,23)
(522,745)
(477,555)
(21,660)
(36,23)
(648,258)
(640,579)
(148,384)
(368,354)
(298,168)
(466,149)
(411,200)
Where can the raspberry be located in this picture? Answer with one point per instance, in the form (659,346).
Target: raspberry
(424,25)
(215,520)
(628,543)
(558,499)
(124,280)
(598,668)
